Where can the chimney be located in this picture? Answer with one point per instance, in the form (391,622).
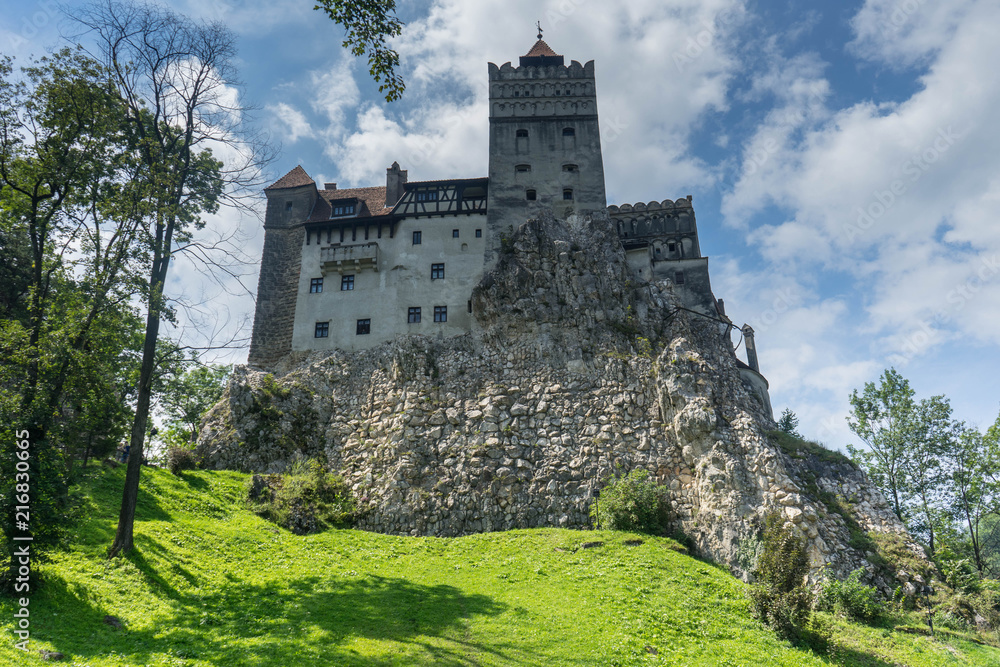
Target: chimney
(395,178)
(751,348)
(329,186)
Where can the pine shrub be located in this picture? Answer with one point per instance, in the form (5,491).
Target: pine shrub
(180,458)
(779,597)
(633,503)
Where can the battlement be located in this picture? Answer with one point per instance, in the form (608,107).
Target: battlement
(653,206)
(575,70)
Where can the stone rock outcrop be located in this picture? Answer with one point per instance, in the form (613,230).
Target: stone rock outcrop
(574,371)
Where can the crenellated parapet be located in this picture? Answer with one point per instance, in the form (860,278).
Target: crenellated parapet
(669,227)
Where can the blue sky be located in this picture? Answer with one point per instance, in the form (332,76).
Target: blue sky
(843,157)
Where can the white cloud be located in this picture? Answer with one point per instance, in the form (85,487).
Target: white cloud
(293,123)
(903,33)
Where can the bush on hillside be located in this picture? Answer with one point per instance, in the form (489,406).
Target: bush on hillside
(850,598)
(179,458)
(779,597)
(307,499)
(634,503)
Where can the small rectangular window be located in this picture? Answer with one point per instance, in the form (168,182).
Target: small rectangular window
(479,233)
(364,327)
(427,196)
(671,246)
(679,278)
(413,315)
(470,305)
(437,271)
(322,330)
(567,194)
(440,313)
(346,283)
(288,205)
(531,195)
(416,238)
(315,285)
(454,233)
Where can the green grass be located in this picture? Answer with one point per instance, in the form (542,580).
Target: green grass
(213,584)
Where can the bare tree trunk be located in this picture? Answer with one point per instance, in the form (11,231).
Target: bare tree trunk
(130,495)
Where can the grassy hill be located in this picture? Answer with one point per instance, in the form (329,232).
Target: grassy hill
(212,584)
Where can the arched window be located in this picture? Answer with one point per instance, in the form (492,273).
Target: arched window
(569,132)
(531,195)
(567,193)
(522,134)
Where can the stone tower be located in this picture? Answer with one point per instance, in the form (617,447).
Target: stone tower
(289,202)
(545,142)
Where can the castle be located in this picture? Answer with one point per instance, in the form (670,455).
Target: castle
(351,269)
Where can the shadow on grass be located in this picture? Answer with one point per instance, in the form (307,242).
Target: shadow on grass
(348,621)
(818,641)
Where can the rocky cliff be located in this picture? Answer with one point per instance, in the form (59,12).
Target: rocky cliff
(573,372)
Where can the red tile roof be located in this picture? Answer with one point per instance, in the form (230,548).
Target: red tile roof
(540,49)
(371,202)
(296,178)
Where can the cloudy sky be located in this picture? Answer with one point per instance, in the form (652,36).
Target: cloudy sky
(844,157)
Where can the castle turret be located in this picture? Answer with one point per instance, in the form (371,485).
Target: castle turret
(290,200)
(545,143)
(751,348)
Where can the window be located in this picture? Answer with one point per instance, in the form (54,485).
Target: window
(470,305)
(454,233)
(671,246)
(345,209)
(431,195)
(567,193)
(522,168)
(315,285)
(522,134)
(413,316)
(479,233)
(288,205)
(440,313)
(364,327)
(572,168)
(569,132)
(531,195)
(437,271)
(346,283)
(679,278)
(416,238)
(322,330)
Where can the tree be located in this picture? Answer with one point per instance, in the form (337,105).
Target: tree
(68,225)
(368,23)
(882,417)
(187,395)
(789,423)
(973,485)
(176,79)
(924,477)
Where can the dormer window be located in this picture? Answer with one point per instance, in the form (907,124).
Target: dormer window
(341,210)
(430,195)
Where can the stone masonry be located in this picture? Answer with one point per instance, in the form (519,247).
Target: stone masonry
(573,371)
